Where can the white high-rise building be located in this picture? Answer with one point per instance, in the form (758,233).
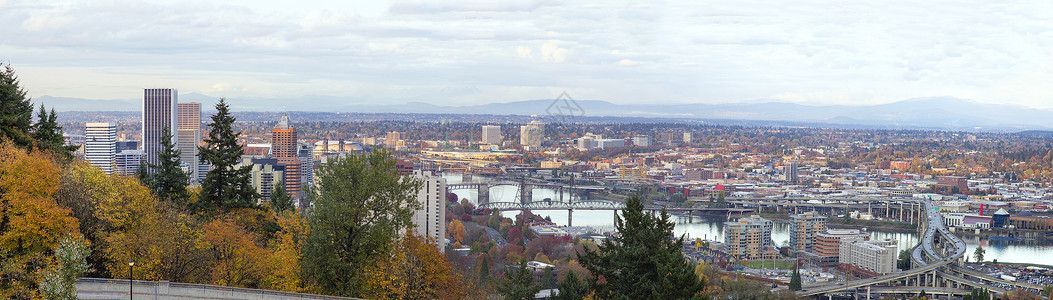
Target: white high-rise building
(159,112)
(687,138)
(789,171)
(491,135)
(100,145)
(430,219)
(878,256)
(531,135)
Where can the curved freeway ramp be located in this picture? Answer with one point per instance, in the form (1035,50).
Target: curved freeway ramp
(924,255)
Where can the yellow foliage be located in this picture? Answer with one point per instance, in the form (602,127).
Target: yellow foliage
(285,254)
(415,269)
(28,182)
(235,252)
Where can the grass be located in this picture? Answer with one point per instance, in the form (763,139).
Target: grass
(779,264)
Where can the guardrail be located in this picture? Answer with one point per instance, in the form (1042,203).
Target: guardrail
(102,288)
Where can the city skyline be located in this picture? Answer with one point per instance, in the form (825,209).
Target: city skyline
(468,52)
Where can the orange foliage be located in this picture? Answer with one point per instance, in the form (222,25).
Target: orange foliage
(35,221)
(415,269)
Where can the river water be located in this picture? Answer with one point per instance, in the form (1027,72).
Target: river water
(712,228)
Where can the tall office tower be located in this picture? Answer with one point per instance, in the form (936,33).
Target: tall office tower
(286,149)
(687,138)
(789,171)
(100,145)
(189,134)
(532,135)
(430,219)
(265,174)
(491,135)
(188,151)
(189,116)
(128,161)
(306,165)
(159,113)
(749,238)
(803,229)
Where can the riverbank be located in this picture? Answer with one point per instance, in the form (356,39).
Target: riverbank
(870,225)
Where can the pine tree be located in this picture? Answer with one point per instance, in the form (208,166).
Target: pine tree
(47,135)
(644,262)
(16,112)
(280,200)
(519,283)
(572,288)
(226,186)
(484,270)
(167,179)
(795,279)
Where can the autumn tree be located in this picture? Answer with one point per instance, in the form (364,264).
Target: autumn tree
(456,230)
(284,254)
(31,222)
(643,262)
(413,269)
(233,253)
(226,186)
(167,179)
(360,207)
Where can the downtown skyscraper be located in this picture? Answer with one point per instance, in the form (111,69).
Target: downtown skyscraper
(159,114)
(100,145)
(189,136)
(285,148)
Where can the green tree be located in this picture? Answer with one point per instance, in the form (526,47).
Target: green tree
(167,179)
(904,260)
(226,186)
(978,254)
(280,200)
(518,283)
(16,112)
(978,294)
(572,288)
(47,135)
(1046,291)
(642,263)
(548,280)
(360,206)
(484,269)
(795,279)
(71,261)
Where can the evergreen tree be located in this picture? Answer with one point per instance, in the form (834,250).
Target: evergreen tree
(280,200)
(519,283)
(360,206)
(167,179)
(548,280)
(979,254)
(484,269)
(795,279)
(572,288)
(16,112)
(47,135)
(644,262)
(226,186)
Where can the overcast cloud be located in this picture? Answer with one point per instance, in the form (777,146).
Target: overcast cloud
(468,52)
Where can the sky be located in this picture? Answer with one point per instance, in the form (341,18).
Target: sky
(463,52)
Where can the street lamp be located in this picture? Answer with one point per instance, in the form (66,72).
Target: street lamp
(131,284)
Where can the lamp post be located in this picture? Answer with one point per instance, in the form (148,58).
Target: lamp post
(131,283)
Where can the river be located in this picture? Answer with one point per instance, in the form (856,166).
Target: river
(1038,252)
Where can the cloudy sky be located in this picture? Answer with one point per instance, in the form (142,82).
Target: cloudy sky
(467,52)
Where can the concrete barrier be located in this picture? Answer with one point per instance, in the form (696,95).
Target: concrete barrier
(98,288)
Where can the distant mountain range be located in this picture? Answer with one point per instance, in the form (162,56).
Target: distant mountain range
(922,113)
